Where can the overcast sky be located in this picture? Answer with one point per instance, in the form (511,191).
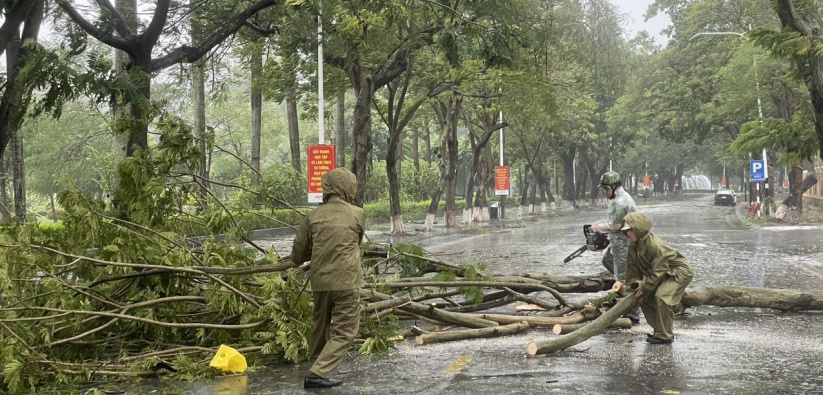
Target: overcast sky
(635,9)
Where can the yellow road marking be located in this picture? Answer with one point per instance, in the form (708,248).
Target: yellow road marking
(459,364)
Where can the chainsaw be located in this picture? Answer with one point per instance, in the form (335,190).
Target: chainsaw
(595,241)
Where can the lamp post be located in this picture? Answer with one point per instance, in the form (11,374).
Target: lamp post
(502,213)
(320,102)
(759,111)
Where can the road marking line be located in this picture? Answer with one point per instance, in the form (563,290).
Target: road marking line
(458,365)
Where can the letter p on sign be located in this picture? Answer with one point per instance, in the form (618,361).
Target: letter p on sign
(757,170)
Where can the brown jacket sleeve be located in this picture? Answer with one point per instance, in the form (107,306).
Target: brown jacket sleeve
(301,248)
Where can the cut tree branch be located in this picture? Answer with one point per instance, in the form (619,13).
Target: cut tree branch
(438,337)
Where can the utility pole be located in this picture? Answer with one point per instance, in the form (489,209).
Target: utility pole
(320,102)
(502,213)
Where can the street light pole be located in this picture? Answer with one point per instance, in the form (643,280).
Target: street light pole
(502,213)
(759,111)
(320,101)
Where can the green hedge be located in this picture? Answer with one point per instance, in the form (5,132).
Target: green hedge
(216,222)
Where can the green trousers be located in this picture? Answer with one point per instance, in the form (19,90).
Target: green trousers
(336,320)
(658,307)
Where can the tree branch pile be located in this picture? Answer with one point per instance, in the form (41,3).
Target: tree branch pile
(154,305)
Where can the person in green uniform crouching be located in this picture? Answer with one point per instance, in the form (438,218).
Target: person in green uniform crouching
(661,274)
(330,237)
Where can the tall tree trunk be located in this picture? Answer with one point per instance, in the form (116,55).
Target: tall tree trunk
(593,173)
(341,129)
(581,186)
(256,110)
(471,177)
(361,130)
(569,192)
(451,176)
(14,104)
(427,130)
(138,137)
(294,131)
(18,175)
(53,208)
(365,83)
(544,187)
(15,14)
(481,202)
(398,115)
(677,180)
(797,186)
(524,188)
(533,192)
(122,108)
(199,93)
(393,160)
(808,63)
(416,147)
(479,169)
(198,82)
(4,198)
(431,213)
(448,112)
(796,189)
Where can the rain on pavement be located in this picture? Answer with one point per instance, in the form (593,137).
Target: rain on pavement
(716,351)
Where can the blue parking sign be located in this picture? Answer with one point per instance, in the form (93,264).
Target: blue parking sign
(757,171)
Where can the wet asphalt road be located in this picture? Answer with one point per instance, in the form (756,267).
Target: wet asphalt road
(716,351)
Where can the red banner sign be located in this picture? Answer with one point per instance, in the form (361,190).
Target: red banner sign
(321,160)
(647,182)
(501,180)
(724,182)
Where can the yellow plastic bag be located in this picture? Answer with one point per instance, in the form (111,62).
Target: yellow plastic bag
(228,359)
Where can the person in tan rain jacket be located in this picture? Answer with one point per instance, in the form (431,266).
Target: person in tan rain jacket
(330,238)
(661,274)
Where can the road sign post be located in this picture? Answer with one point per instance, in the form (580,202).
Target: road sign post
(501,180)
(757,171)
(321,160)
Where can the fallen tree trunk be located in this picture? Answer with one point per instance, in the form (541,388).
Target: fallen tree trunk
(387,304)
(623,323)
(488,284)
(729,296)
(622,307)
(588,313)
(437,337)
(470,308)
(465,320)
(574,284)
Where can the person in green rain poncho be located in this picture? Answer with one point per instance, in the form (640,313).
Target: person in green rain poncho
(660,272)
(330,237)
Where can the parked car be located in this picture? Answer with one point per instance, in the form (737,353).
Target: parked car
(725,197)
